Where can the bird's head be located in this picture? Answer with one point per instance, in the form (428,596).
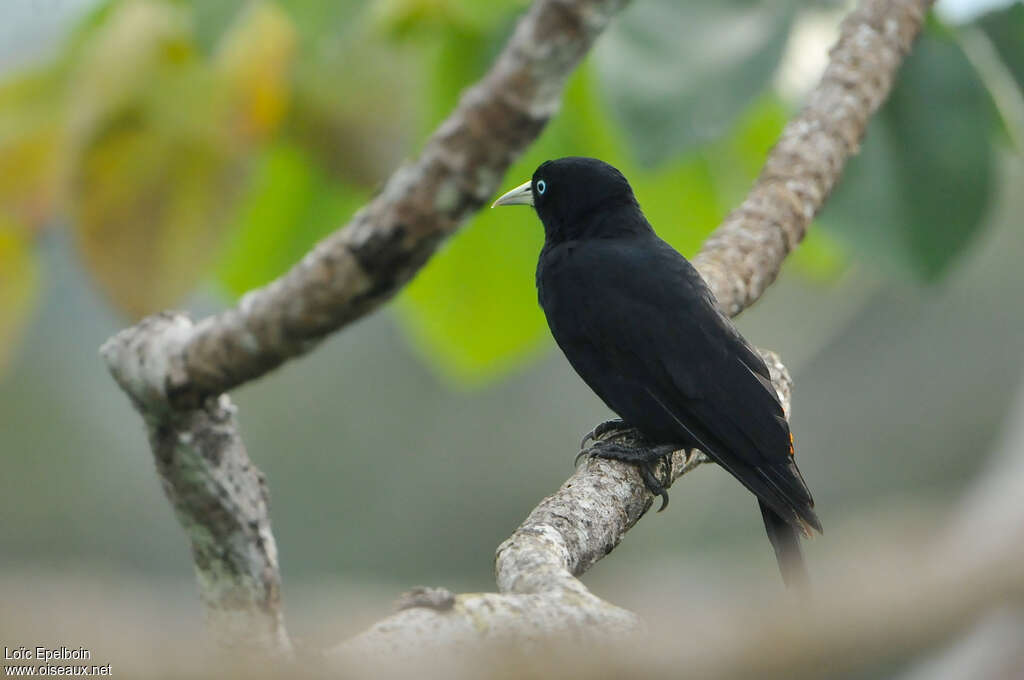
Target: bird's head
(573,195)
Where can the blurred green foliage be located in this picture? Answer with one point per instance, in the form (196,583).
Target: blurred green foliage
(1005,29)
(290,203)
(665,66)
(185,142)
(915,195)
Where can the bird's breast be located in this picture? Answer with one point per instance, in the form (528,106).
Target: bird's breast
(552,267)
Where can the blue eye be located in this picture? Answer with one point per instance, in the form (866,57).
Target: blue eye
(542,186)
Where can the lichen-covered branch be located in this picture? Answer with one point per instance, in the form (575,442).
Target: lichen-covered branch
(176,371)
(744,255)
(219,496)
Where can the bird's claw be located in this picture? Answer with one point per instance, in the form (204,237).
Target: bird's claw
(653,484)
(608,430)
(643,457)
(601,431)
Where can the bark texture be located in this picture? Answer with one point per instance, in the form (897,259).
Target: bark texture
(218,495)
(175,371)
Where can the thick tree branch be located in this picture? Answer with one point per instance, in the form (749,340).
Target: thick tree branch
(176,372)
(572,529)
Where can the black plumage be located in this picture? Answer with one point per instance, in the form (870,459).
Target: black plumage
(640,326)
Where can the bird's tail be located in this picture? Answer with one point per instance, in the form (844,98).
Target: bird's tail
(785,539)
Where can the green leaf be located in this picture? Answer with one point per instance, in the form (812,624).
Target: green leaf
(473,313)
(915,196)
(289,205)
(473,310)
(681,200)
(677,75)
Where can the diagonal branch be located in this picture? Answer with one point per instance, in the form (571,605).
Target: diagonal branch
(537,569)
(359,267)
(745,254)
(589,515)
(176,372)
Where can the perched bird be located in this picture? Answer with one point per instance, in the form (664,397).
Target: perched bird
(641,327)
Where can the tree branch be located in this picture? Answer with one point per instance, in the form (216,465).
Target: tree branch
(357,268)
(219,496)
(175,372)
(744,255)
(537,568)
(585,519)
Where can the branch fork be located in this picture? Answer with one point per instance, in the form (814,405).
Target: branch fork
(177,372)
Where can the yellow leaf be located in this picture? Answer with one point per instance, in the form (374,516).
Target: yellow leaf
(150,210)
(151,168)
(18,284)
(255,59)
(121,61)
(31,134)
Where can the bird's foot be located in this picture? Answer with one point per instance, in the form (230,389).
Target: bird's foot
(610,429)
(643,457)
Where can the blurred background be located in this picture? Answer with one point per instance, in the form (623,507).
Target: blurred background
(177,153)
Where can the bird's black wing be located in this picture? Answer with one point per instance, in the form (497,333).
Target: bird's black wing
(639,325)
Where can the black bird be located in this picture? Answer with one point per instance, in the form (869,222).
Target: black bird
(643,330)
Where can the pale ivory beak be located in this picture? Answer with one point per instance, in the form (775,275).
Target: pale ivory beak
(521,195)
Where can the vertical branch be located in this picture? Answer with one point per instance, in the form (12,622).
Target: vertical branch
(218,495)
(221,501)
